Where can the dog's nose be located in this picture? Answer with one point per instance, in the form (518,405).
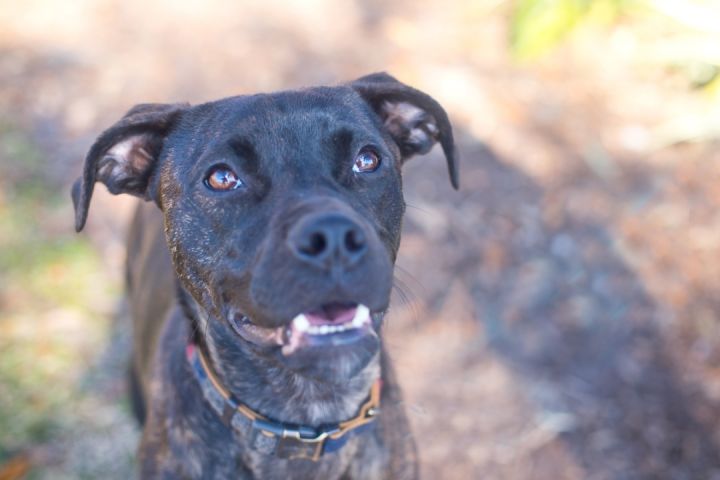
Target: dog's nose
(327,239)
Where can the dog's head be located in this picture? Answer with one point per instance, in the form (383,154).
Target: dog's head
(282,211)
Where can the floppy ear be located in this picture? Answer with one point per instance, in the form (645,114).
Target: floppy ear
(124,156)
(413,118)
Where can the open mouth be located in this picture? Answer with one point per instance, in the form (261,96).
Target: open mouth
(330,325)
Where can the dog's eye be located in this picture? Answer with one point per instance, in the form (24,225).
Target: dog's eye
(366,161)
(221,178)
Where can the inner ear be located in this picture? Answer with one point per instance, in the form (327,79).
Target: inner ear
(125,155)
(127,166)
(414,120)
(415,130)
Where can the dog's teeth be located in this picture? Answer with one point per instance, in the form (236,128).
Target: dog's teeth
(301,323)
(362,314)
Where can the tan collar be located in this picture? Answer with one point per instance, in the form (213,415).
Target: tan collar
(281,439)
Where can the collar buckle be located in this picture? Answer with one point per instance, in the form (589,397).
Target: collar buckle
(297,447)
(303,442)
(302,434)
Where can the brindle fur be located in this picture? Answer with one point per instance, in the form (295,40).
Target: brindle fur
(293,149)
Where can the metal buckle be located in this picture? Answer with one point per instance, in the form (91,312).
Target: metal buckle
(290,448)
(294,443)
(298,435)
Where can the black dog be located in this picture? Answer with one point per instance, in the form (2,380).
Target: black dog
(257,349)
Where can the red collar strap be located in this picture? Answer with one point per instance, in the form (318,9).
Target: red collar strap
(276,438)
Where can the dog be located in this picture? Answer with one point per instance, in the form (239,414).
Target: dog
(258,287)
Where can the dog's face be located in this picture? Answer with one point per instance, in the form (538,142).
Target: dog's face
(282,211)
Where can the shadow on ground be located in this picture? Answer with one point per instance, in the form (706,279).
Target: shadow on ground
(586,386)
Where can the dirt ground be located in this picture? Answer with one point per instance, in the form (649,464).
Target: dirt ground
(557,318)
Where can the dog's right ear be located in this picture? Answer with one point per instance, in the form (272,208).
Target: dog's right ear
(414,119)
(125,155)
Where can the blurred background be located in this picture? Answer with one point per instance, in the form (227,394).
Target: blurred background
(555,319)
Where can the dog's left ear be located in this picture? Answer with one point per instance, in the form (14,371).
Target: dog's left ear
(413,118)
(125,155)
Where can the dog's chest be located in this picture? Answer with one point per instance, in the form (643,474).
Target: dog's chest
(200,446)
(220,456)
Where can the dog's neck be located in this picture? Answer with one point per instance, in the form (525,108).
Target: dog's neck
(267,386)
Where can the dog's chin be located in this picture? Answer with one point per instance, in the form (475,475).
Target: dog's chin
(346,333)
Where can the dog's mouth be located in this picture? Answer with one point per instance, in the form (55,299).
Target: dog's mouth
(330,325)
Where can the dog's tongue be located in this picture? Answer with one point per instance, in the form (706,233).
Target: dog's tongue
(331,314)
(330,325)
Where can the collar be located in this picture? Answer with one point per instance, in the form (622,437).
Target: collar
(272,437)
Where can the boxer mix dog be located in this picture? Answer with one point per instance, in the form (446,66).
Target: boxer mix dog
(258,287)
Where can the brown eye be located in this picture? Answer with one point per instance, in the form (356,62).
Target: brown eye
(221,178)
(366,161)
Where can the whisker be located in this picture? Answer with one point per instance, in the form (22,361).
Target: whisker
(207,325)
(404,300)
(416,207)
(400,270)
(407,297)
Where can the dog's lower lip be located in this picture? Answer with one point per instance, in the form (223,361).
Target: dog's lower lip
(244,327)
